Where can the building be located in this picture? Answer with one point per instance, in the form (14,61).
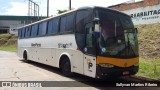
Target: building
(142,12)
(9,24)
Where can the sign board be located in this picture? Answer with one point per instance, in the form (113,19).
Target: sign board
(145,15)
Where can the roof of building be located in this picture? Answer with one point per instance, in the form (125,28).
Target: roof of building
(125,3)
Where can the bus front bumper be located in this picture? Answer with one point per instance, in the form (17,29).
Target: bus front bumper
(103,72)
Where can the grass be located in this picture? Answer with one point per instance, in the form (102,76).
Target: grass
(8,42)
(149,41)
(8,48)
(6,35)
(149,68)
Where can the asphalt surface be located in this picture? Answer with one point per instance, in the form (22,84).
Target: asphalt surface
(12,68)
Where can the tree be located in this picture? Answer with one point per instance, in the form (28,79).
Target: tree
(61,11)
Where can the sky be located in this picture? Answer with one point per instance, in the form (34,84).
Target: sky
(20,7)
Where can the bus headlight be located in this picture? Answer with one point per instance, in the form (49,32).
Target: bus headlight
(106,65)
(136,64)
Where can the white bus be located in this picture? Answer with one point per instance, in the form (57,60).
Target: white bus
(92,41)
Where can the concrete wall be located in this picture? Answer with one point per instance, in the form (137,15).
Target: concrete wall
(6,23)
(143,12)
(128,6)
(6,26)
(145,15)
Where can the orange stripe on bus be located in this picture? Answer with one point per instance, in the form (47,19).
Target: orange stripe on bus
(117,61)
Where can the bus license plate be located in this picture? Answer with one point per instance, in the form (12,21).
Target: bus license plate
(125,72)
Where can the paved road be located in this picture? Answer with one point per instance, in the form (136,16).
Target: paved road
(13,68)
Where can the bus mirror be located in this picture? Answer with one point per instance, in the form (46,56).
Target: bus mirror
(96,20)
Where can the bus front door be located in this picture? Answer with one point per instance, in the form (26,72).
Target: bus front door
(90,52)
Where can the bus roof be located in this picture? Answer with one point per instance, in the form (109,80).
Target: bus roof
(81,8)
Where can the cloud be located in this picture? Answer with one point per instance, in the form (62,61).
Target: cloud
(17,8)
(21,8)
(64,4)
(54,5)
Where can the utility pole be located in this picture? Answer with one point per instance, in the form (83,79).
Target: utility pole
(69,4)
(47,8)
(33,8)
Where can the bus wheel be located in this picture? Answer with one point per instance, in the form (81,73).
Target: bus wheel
(25,57)
(66,68)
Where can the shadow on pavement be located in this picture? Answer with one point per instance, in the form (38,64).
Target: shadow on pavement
(84,81)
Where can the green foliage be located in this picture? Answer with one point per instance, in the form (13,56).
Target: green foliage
(8,48)
(4,38)
(5,35)
(8,42)
(149,68)
(61,11)
(149,41)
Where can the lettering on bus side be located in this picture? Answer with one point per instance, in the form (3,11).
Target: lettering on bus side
(66,45)
(35,45)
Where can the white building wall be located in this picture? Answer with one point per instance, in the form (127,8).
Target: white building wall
(145,15)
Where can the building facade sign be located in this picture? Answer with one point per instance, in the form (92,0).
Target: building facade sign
(145,15)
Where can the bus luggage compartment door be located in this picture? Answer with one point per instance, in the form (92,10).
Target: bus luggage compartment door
(90,66)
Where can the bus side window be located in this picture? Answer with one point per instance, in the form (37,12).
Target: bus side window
(63,24)
(28,32)
(70,23)
(56,25)
(24,32)
(42,28)
(53,26)
(81,17)
(50,27)
(34,30)
(90,45)
(19,33)
(89,34)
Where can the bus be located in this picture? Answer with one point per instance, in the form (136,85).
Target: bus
(93,41)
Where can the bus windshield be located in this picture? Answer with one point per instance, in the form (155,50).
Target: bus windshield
(118,36)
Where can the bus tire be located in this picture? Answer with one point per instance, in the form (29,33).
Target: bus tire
(66,68)
(25,57)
